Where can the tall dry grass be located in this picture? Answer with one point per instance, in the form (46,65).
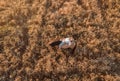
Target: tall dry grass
(26,27)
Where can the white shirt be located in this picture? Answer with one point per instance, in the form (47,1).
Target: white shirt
(65,41)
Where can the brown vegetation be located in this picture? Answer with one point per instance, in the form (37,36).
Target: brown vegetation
(26,27)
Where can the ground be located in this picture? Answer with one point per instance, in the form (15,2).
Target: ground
(27,26)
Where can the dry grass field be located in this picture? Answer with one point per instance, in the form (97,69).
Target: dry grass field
(26,27)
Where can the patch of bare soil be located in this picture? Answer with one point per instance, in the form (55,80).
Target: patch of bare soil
(27,26)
